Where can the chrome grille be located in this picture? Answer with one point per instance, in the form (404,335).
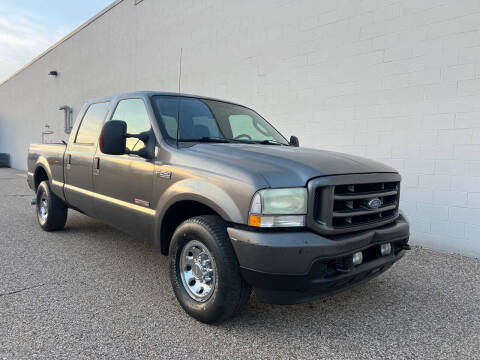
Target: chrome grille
(347,203)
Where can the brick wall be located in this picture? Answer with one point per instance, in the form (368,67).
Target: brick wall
(398,81)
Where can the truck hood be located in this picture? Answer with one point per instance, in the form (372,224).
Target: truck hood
(284,166)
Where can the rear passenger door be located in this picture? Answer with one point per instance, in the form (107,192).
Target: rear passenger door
(78,160)
(124,183)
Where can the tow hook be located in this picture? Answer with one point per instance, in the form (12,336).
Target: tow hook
(33,201)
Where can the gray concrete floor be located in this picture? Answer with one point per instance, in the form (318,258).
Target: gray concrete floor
(91,291)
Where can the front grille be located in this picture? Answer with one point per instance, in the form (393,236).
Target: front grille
(347,203)
(351,203)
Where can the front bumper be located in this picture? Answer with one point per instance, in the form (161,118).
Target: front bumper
(292,267)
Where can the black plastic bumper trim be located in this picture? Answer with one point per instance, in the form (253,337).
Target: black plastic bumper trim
(292,289)
(294,252)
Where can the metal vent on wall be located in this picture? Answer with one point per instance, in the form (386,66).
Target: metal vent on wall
(68,125)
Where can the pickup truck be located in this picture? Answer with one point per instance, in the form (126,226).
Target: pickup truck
(219,190)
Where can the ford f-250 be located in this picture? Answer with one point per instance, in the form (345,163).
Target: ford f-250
(233,203)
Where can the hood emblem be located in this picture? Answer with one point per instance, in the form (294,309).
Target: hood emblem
(374,203)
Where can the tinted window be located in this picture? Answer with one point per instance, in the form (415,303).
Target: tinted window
(167,108)
(244,127)
(170,124)
(241,123)
(201,118)
(134,113)
(196,119)
(91,123)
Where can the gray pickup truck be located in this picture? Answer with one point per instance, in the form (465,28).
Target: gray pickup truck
(233,203)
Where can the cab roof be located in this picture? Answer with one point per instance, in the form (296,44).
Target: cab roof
(153,93)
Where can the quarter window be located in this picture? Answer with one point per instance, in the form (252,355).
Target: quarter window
(91,123)
(134,113)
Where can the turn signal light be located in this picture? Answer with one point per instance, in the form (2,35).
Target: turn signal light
(255,220)
(272,221)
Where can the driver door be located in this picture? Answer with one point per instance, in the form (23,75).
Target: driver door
(124,183)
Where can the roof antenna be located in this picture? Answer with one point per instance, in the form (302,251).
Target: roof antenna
(179,89)
(180,70)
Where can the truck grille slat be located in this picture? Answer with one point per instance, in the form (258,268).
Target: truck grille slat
(348,213)
(364,195)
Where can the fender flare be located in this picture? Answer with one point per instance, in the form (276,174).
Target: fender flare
(43,163)
(199,191)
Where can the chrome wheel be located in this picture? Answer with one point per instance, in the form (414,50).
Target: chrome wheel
(43,208)
(198,271)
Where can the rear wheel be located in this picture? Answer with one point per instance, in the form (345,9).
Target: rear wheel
(51,210)
(204,270)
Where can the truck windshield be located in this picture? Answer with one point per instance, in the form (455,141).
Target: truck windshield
(205,120)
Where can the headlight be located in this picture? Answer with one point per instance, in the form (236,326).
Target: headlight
(278,208)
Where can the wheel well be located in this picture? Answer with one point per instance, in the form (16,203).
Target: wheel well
(40,175)
(175,215)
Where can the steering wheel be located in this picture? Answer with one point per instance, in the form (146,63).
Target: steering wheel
(238,137)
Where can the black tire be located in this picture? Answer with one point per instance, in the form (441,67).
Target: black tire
(231,292)
(56,215)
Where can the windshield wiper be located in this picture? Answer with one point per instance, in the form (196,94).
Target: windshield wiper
(243,141)
(217,140)
(213,139)
(270,142)
(206,139)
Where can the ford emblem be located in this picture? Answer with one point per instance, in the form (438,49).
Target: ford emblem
(374,203)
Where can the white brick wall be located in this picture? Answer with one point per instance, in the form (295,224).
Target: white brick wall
(398,81)
(406,75)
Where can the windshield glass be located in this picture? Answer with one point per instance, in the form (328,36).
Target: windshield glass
(211,120)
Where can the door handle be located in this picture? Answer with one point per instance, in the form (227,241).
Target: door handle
(96,166)
(69,161)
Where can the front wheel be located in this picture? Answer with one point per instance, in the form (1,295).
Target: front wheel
(204,270)
(51,210)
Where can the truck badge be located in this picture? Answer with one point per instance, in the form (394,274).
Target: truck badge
(374,203)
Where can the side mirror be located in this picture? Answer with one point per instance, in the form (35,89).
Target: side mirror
(294,141)
(148,139)
(113,137)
